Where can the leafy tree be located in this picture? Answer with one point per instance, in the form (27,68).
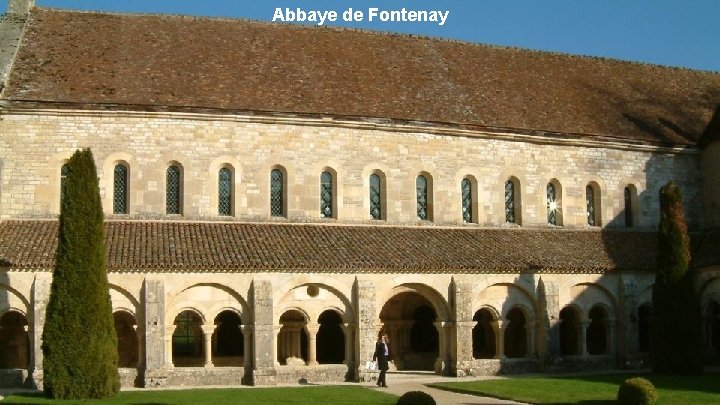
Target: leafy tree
(79,340)
(676,344)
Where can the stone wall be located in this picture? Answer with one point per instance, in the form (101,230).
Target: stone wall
(34,147)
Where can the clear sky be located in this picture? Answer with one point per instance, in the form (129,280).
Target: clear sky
(667,32)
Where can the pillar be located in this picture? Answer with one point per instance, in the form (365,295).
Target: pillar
(347,329)
(442,363)
(208,331)
(583,337)
(261,293)
(461,351)
(312,330)
(363,296)
(40,297)
(499,326)
(157,345)
(609,335)
(247,331)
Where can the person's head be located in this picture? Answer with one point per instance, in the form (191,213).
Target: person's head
(384,338)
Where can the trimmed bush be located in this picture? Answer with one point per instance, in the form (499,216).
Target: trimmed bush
(676,324)
(416,398)
(636,391)
(80,357)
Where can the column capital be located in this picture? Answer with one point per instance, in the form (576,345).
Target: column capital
(208,329)
(312,329)
(246,329)
(170,329)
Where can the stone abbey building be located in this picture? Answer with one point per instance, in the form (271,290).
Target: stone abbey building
(276,195)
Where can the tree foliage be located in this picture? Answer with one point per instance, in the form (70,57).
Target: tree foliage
(676,343)
(79,342)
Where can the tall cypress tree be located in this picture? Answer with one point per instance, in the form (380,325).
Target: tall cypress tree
(79,340)
(676,342)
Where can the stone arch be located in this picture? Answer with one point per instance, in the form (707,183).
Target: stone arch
(588,294)
(187,338)
(14,340)
(331,339)
(570,324)
(484,333)
(292,337)
(516,336)
(228,339)
(125,300)
(288,294)
(598,331)
(128,345)
(505,296)
(410,315)
(439,304)
(11,298)
(216,302)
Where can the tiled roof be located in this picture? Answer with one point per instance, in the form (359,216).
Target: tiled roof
(174,62)
(242,247)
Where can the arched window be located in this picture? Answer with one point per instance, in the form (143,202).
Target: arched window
(225,192)
(127,340)
(330,341)
(375,197)
(173,190)
(515,334)
(593,204)
(421,186)
(187,340)
(467,201)
(64,171)
(120,189)
(326,195)
(630,197)
(554,203)
(644,316)
(276,193)
(512,201)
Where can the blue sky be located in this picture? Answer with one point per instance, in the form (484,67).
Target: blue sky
(667,32)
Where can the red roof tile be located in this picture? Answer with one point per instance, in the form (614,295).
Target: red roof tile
(141,61)
(242,247)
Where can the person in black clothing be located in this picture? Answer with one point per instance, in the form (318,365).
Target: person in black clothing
(382,353)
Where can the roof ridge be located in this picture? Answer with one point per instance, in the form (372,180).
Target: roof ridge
(382,33)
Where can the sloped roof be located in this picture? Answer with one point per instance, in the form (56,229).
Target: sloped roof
(242,247)
(176,62)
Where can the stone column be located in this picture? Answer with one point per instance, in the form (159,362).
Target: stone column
(247,331)
(261,294)
(277,344)
(312,330)
(462,356)
(363,295)
(499,327)
(609,335)
(442,361)
(347,329)
(207,340)
(158,337)
(532,327)
(40,297)
(583,337)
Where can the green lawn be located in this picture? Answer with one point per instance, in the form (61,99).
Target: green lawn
(597,389)
(286,395)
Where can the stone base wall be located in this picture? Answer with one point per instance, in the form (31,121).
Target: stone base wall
(129,377)
(498,366)
(13,378)
(571,364)
(312,374)
(199,376)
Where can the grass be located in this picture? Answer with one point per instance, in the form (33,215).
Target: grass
(595,389)
(286,395)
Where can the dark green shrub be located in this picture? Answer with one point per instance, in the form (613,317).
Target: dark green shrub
(79,341)
(416,398)
(636,391)
(676,324)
